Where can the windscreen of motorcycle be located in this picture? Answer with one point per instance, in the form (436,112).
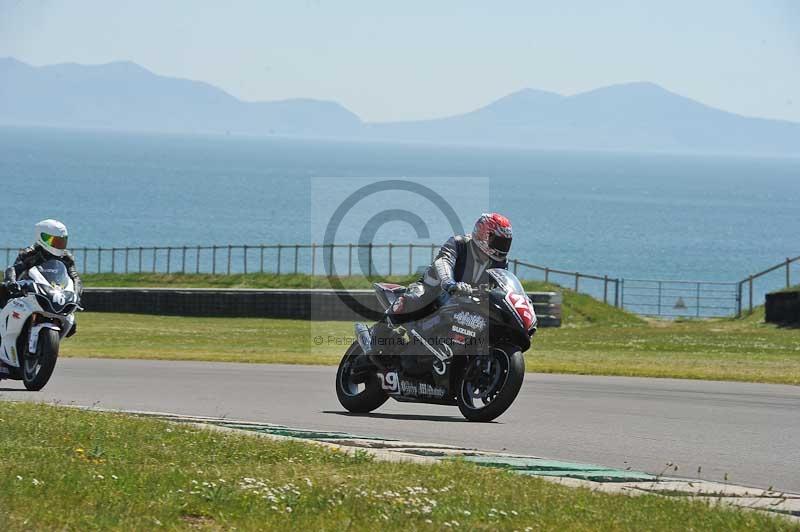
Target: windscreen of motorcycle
(55,273)
(506,280)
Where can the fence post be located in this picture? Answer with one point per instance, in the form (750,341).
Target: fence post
(313,258)
(433,250)
(410,258)
(330,259)
(169,258)
(788,277)
(750,289)
(245,259)
(99,260)
(229,259)
(605,289)
(296,254)
(698,300)
(369,261)
(183,260)
(155,252)
(213,260)
(350,259)
(547,275)
(616,292)
(390,259)
(739,299)
(197,260)
(622,294)
(280,247)
(85,252)
(126,259)
(113,260)
(659,298)
(577,277)
(516,266)
(261,259)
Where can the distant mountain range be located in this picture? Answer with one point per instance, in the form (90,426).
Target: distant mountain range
(631,116)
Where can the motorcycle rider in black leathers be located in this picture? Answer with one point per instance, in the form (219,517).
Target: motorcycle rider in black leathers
(460,264)
(50,244)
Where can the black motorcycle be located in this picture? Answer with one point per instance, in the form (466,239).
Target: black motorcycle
(468,352)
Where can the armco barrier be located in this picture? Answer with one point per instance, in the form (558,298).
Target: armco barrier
(262,303)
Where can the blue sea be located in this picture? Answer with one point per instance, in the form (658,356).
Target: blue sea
(621,214)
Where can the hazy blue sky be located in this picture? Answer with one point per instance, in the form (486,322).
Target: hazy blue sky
(406,60)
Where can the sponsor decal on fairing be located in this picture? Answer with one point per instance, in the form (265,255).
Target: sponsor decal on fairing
(421,389)
(468,319)
(463,331)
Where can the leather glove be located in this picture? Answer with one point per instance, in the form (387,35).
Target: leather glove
(459,289)
(13,288)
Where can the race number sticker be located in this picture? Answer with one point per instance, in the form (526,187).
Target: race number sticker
(390,382)
(522,306)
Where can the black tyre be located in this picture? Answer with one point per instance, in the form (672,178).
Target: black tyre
(36,370)
(490,383)
(357,386)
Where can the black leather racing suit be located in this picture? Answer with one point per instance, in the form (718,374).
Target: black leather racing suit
(31,257)
(458,260)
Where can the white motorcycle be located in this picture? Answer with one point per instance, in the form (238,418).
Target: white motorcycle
(33,323)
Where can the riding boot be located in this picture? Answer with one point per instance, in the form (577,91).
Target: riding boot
(377,340)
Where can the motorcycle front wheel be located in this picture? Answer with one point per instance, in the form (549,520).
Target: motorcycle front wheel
(491,383)
(357,385)
(36,370)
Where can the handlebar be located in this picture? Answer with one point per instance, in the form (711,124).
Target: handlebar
(482,289)
(479,291)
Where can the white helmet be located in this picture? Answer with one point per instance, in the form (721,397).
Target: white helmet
(52,236)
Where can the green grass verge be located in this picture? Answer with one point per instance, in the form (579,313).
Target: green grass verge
(63,469)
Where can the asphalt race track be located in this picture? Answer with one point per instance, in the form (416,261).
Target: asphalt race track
(749,431)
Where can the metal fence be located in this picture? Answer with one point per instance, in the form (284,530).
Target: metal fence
(700,299)
(751,289)
(643,296)
(601,287)
(368,259)
(313,259)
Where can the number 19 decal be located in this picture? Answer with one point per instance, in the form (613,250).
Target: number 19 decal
(390,381)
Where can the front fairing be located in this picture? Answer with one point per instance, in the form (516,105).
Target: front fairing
(512,308)
(55,300)
(13,318)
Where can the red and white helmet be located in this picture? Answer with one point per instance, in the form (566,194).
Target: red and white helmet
(492,235)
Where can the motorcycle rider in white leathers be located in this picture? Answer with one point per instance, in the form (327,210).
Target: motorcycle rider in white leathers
(50,243)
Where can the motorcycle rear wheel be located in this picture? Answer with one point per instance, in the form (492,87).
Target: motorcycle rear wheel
(358,397)
(36,370)
(483,394)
